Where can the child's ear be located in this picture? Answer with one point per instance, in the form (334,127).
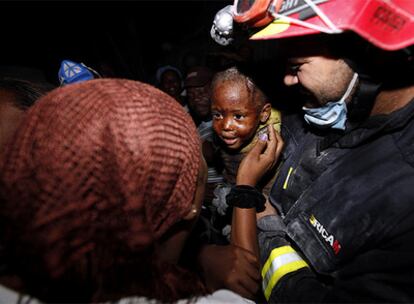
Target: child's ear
(265,113)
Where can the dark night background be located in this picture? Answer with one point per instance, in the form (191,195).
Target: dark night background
(133,37)
(130,38)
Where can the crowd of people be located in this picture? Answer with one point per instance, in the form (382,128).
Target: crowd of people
(198,189)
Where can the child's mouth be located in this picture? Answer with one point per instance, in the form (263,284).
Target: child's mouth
(230,141)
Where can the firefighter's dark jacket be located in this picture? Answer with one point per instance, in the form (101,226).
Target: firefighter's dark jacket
(346,204)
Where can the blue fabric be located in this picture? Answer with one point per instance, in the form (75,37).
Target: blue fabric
(332,115)
(72,72)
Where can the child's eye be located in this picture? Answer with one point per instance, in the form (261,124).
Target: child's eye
(238,116)
(216,115)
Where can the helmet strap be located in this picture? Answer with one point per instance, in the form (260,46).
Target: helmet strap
(364,98)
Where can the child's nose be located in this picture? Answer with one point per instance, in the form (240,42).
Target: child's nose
(228,124)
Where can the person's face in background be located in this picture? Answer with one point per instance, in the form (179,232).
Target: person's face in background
(170,246)
(10,117)
(320,77)
(171,83)
(235,116)
(199,101)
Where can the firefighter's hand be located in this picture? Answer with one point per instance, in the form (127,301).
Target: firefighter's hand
(269,210)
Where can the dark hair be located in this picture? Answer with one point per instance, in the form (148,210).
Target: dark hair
(26,93)
(239,75)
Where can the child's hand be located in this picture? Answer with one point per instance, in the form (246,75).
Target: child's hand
(261,158)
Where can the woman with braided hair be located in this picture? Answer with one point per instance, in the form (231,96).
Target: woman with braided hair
(99,192)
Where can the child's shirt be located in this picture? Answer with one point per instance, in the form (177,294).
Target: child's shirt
(221,218)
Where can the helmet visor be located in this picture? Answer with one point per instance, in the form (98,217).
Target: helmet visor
(254,12)
(243,6)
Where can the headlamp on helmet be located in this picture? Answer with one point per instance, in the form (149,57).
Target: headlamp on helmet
(255,13)
(388,24)
(222,29)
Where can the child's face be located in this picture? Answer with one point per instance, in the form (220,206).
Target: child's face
(235,117)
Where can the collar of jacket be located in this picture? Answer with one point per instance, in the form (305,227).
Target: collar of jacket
(370,128)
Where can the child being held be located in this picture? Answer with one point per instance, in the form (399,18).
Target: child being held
(241,112)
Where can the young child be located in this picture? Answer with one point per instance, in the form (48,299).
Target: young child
(241,112)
